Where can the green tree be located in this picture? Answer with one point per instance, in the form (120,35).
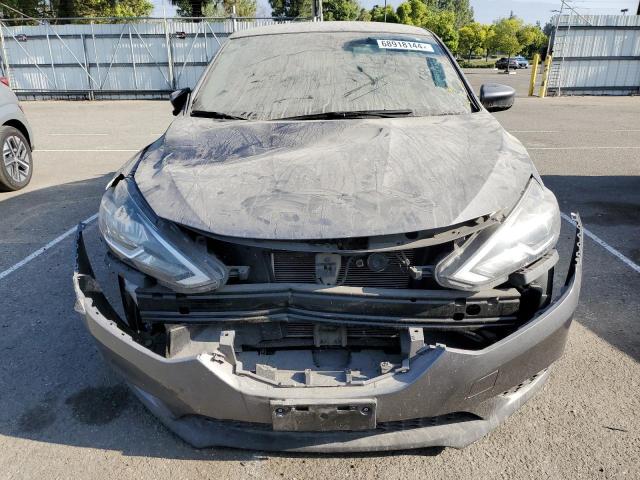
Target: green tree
(506,36)
(340,10)
(225,8)
(464,13)
(191,8)
(20,8)
(487,44)
(102,8)
(76,8)
(443,24)
(472,38)
(364,16)
(461,8)
(291,8)
(532,39)
(130,8)
(548,29)
(413,12)
(378,14)
(422,13)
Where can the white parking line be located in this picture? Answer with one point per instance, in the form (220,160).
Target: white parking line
(585,148)
(627,261)
(573,131)
(42,250)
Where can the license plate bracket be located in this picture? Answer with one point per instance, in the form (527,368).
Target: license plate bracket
(317,416)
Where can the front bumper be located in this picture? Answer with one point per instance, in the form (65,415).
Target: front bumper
(449,397)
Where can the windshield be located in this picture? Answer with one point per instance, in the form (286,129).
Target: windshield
(270,77)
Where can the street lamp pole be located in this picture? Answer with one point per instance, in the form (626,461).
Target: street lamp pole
(555,30)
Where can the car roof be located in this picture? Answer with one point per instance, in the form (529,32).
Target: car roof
(332,27)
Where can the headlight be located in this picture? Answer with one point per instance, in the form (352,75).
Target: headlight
(154,246)
(489,257)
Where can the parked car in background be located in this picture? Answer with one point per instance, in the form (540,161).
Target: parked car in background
(522,62)
(16,167)
(355,256)
(502,64)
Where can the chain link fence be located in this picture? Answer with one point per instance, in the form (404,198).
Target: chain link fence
(126,59)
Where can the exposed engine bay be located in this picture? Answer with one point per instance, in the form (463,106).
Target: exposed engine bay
(336,317)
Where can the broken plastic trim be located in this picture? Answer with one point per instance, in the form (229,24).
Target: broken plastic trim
(538,345)
(86,286)
(331,360)
(576,257)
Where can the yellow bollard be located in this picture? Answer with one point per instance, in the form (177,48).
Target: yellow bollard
(534,74)
(545,76)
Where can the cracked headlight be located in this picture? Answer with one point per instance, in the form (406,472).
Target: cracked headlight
(154,246)
(490,256)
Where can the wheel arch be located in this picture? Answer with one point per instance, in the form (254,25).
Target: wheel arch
(21,127)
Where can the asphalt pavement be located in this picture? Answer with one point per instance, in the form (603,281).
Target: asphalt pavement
(65,415)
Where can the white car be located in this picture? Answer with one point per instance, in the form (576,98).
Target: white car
(16,138)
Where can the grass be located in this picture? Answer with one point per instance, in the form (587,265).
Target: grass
(477,63)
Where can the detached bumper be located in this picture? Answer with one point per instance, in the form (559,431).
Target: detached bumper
(449,397)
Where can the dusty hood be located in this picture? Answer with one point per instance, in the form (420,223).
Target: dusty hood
(332,179)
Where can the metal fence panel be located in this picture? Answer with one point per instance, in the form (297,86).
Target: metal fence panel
(596,55)
(141,58)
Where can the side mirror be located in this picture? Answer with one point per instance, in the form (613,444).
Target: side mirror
(179,99)
(496,97)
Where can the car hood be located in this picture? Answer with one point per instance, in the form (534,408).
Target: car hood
(302,180)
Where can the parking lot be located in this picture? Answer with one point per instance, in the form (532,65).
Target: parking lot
(64,414)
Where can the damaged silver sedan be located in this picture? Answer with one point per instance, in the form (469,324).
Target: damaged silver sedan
(334,247)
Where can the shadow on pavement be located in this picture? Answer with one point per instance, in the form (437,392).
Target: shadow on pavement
(33,218)
(610,208)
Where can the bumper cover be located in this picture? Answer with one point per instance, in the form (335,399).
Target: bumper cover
(449,397)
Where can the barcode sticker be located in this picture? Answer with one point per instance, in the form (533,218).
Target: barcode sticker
(405,45)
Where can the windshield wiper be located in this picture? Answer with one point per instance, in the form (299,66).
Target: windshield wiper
(220,115)
(351,115)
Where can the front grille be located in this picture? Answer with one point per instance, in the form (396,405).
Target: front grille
(412,424)
(300,267)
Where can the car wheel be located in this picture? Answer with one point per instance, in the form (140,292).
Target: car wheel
(16,165)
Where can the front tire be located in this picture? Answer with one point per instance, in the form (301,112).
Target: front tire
(16,164)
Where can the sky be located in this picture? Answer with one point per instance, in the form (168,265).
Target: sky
(487,10)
